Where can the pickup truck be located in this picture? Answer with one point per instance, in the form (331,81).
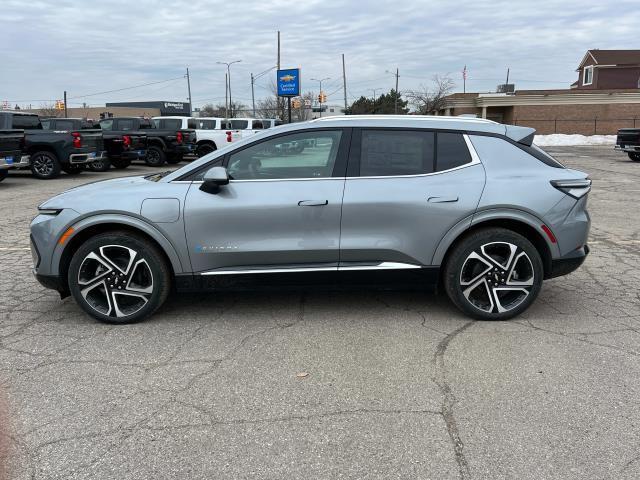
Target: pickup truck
(102,163)
(165,141)
(629,141)
(211,132)
(10,150)
(47,152)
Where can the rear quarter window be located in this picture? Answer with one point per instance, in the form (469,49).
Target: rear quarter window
(501,153)
(452,151)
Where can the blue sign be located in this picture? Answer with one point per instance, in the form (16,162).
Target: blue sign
(288,82)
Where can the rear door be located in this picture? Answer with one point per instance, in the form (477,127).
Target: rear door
(280,210)
(404,190)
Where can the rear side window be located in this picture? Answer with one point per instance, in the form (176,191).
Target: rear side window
(63,125)
(192,123)
(207,124)
(395,152)
(106,124)
(239,124)
(451,151)
(46,124)
(26,122)
(125,124)
(171,123)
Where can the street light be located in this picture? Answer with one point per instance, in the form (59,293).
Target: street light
(228,64)
(320,94)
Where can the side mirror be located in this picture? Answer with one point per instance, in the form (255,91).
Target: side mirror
(213,179)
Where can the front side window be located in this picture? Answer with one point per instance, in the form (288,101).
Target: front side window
(106,124)
(192,123)
(46,124)
(300,155)
(125,124)
(452,151)
(206,124)
(63,125)
(239,124)
(171,123)
(395,152)
(588,76)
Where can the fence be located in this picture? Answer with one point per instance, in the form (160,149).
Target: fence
(590,126)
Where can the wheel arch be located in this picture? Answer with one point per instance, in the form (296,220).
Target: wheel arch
(156,142)
(92,226)
(207,142)
(517,221)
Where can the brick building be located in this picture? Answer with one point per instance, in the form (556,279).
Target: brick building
(605,98)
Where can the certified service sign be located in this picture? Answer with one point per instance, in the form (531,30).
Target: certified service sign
(288,82)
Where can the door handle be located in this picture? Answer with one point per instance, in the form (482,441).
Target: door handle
(443,199)
(312,203)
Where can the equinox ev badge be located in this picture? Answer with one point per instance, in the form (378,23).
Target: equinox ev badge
(214,248)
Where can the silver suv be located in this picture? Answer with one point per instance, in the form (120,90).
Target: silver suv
(409,201)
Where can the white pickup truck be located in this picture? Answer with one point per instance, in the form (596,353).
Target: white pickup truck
(250,126)
(212,133)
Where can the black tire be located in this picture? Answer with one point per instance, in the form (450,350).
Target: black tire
(205,149)
(120,163)
(155,156)
(3,174)
(635,156)
(499,285)
(101,165)
(71,169)
(174,158)
(44,165)
(124,289)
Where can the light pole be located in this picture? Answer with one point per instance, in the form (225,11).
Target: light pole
(320,94)
(397,75)
(228,64)
(253,82)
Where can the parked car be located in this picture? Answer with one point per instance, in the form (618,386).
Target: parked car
(628,141)
(402,201)
(48,152)
(243,127)
(102,163)
(211,132)
(122,143)
(271,122)
(11,142)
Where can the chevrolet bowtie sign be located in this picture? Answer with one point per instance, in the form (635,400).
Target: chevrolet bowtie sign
(288,82)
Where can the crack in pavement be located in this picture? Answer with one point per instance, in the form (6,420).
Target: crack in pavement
(449,400)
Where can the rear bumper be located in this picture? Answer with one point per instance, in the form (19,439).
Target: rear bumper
(569,263)
(627,148)
(10,159)
(185,148)
(79,158)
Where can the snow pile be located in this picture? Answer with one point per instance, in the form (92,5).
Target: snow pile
(562,140)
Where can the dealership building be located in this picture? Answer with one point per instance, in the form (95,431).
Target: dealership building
(164,108)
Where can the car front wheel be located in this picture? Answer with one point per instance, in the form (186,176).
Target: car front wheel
(119,277)
(493,274)
(635,156)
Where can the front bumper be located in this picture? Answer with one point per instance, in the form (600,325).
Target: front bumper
(627,148)
(568,263)
(80,158)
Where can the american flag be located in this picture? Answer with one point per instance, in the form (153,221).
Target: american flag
(464,73)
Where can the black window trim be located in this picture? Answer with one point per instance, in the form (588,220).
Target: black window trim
(339,168)
(353,168)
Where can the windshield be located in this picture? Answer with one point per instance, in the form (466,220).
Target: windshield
(154,177)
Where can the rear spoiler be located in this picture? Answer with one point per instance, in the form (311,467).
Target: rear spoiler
(523,135)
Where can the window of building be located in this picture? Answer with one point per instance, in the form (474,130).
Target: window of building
(299,155)
(588,75)
(387,153)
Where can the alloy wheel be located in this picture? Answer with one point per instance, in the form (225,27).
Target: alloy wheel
(43,165)
(497,277)
(115,281)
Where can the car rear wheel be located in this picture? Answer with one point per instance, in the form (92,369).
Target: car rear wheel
(204,149)
(45,165)
(635,156)
(120,163)
(155,157)
(101,165)
(174,158)
(119,277)
(493,274)
(3,174)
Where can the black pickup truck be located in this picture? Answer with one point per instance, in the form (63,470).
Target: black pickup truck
(629,141)
(122,143)
(47,152)
(163,144)
(10,150)
(120,149)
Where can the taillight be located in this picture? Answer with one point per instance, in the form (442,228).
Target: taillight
(229,138)
(126,140)
(179,137)
(77,139)
(574,188)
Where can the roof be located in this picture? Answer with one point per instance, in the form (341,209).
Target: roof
(610,57)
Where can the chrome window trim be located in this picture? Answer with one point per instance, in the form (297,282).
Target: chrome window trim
(475,160)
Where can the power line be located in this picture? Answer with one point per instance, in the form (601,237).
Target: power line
(127,88)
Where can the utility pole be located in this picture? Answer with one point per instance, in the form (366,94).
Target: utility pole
(344,83)
(226,97)
(65,104)
(374,98)
(278,68)
(228,64)
(395,108)
(189,90)
(253,97)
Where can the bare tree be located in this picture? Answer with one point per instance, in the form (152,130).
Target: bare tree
(427,100)
(50,110)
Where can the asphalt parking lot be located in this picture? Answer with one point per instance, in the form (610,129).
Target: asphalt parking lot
(397,384)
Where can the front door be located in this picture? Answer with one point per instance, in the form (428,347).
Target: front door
(405,189)
(280,210)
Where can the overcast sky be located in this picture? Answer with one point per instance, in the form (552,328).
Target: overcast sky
(86,47)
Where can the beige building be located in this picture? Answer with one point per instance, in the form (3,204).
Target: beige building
(93,113)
